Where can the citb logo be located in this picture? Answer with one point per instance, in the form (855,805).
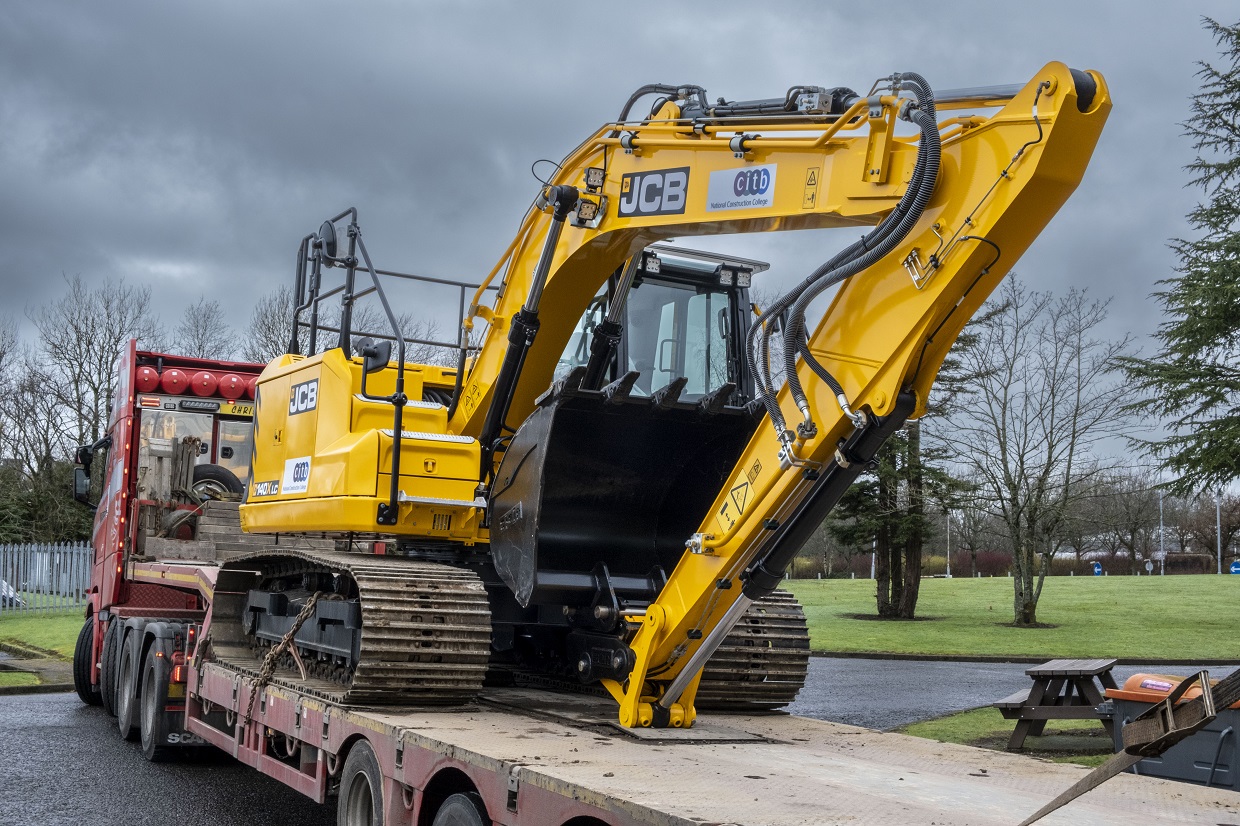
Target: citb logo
(751,182)
(305,397)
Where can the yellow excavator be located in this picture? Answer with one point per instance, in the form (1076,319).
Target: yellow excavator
(608,481)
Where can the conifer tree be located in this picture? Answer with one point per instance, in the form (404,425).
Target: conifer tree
(1192,384)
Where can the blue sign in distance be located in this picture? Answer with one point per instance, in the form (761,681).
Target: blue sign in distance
(1235,567)
(1097,569)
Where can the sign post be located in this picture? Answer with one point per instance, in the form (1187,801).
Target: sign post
(1097,568)
(1235,567)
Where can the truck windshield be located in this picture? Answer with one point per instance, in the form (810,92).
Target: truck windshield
(176,424)
(230,448)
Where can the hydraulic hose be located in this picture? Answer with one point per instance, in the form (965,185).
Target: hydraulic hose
(863,253)
(929,150)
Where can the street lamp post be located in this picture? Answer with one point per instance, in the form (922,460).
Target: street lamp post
(1162,551)
(949,544)
(1218,525)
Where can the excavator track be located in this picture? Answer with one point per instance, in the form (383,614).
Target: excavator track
(762,664)
(426,631)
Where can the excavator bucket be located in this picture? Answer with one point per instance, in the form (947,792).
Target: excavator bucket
(599,489)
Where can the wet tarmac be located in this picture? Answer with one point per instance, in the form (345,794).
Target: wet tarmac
(64,763)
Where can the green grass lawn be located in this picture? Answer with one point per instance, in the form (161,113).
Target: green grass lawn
(1151,618)
(9,679)
(1063,741)
(48,630)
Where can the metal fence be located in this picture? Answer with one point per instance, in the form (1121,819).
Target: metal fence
(44,577)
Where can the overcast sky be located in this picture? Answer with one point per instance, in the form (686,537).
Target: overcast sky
(189,146)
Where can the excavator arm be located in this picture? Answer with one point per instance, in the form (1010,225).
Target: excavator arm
(901,299)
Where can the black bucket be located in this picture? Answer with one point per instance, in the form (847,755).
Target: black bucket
(604,477)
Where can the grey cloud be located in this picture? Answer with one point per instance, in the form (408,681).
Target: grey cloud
(190,146)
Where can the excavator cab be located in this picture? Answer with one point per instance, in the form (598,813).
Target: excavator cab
(685,315)
(601,484)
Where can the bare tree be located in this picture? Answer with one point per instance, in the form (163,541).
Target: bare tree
(8,352)
(81,335)
(1040,400)
(1080,526)
(974,526)
(1129,514)
(1205,523)
(40,429)
(203,333)
(271,327)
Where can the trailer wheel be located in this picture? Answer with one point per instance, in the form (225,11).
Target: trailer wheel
(462,809)
(83,665)
(215,482)
(107,669)
(154,722)
(126,691)
(361,789)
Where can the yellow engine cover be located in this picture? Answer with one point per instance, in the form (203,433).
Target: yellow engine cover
(323,453)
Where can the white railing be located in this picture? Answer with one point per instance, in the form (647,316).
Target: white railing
(48,577)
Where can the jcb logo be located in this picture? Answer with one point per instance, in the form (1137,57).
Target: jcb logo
(305,396)
(659,192)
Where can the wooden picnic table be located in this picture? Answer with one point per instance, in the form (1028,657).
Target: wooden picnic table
(1061,690)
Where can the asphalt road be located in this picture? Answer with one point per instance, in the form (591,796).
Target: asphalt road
(64,763)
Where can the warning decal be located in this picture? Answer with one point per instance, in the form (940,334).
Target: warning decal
(740,494)
(809,199)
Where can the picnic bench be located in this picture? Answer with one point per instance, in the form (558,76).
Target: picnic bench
(1061,690)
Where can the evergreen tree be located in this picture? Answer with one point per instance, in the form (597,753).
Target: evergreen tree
(1193,382)
(889,506)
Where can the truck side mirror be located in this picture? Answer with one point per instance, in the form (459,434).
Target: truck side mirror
(81,485)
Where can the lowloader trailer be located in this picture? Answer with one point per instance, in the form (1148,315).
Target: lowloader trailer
(536,757)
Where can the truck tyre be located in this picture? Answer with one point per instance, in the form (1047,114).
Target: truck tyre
(127,689)
(153,722)
(462,809)
(361,789)
(214,481)
(83,665)
(107,669)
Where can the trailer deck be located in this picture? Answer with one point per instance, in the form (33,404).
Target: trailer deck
(553,753)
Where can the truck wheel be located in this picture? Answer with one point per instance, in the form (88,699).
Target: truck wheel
(107,669)
(83,665)
(214,481)
(154,722)
(126,691)
(462,809)
(361,789)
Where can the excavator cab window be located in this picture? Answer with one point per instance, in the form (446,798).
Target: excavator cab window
(673,331)
(577,352)
(681,322)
